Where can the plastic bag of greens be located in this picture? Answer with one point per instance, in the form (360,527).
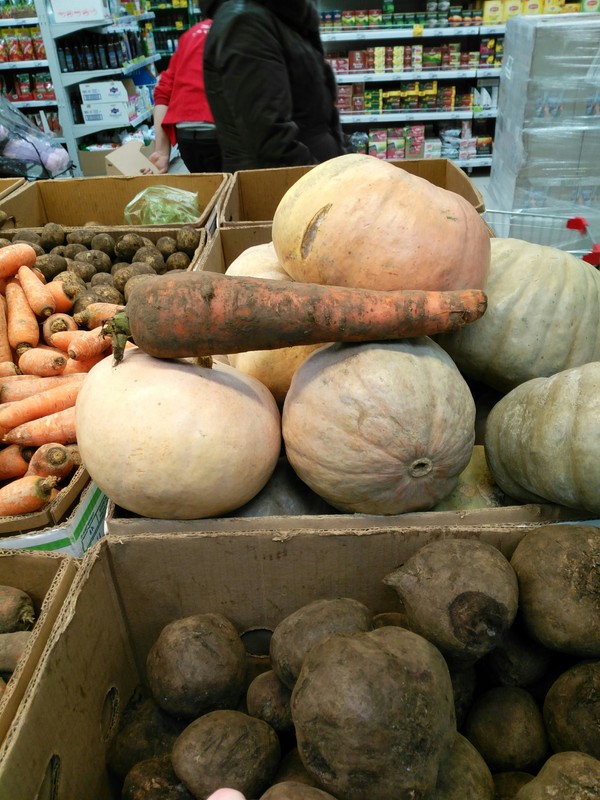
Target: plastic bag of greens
(162,205)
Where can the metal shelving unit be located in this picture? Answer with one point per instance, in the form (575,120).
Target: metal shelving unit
(67,82)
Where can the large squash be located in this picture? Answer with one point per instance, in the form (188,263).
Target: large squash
(172,440)
(379,428)
(542,439)
(274,368)
(543,316)
(358,221)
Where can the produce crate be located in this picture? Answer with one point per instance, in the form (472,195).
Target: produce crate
(8,185)
(227,244)
(252,196)
(76,201)
(128,588)
(46,577)
(74,531)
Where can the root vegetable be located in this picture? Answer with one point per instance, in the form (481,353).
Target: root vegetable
(374,714)
(464,775)
(571,710)
(268,698)
(154,779)
(301,630)
(461,594)
(12,648)
(196,665)
(17,612)
(568,776)
(15,255)
(226,748)
(204,313)
(24,495)
(295,791)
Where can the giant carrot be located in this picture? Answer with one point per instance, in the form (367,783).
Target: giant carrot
(206,313)
(22,324)
(15,255)
(95,314)
(42,361)
(56,427)
(51,458)
(39,297)
(26,494)
(14,461)
(16,387)
(39,405)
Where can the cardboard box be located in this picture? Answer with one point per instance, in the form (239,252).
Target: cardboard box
(130,159)
(80,10)
(253,195)
(8,185)
(128,588)
(75,201)
(46,577)
(77,532)
(100,161)
(107,91)
(120,112)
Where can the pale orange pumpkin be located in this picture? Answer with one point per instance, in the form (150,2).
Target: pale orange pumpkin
(358,221)
(379,428)
(274,368)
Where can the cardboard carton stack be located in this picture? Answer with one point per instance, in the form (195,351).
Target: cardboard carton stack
(547,136)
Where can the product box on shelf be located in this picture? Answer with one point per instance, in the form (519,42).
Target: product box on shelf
(252,196)
(129,587)
(107,91)
(46,578)
(77,201)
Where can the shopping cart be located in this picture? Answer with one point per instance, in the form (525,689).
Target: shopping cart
(570,234)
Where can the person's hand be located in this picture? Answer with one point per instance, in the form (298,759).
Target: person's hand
(226,794)
(161,162)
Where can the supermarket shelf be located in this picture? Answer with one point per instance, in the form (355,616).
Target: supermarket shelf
(73,78)
(359,34)
(487,113)
(33,103)
(86,129)
(14,22)
(470,163)
(430,74)
(109,24)
(24,64)
(383,117)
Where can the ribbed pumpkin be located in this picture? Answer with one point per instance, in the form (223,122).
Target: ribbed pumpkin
(380,428)
(274,368)
(358,221)
(542,439)
(542,317)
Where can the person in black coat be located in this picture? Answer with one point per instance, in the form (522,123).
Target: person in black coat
(271,92)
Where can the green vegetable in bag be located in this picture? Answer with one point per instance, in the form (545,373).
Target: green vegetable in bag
(162,205)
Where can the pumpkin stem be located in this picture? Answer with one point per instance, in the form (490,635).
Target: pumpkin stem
(420,467)
(118,329)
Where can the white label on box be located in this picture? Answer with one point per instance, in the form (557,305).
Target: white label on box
(79,10)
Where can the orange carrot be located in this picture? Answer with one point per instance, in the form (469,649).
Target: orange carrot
(56,427)
(86,344)
(5,348)
(22,324)
(13,463)
(82,365)
(56,323)
(26,494)
(51,458)
(8,368)
(73,449)
(16,387)
(63,301)
(38,296)
(42,361)
(206,313)
(15,255)
(39,405)
(62,339)
(95,314)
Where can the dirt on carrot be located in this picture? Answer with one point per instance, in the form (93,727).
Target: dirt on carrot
(51,458)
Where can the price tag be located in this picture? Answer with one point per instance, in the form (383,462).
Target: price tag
(417,30)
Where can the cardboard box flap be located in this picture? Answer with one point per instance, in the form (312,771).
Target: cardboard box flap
(129,160)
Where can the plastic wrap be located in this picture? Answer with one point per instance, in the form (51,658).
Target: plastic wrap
(25,151)
(547,141)
(162,205)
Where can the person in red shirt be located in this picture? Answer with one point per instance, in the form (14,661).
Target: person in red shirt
(181,111)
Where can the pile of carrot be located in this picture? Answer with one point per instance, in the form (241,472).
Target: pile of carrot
(45,354)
